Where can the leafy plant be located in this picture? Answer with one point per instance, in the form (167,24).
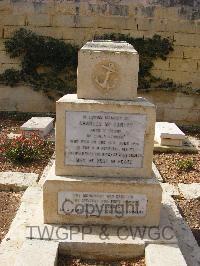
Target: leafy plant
(10,77)
(185,165)
(60,61)
(37,51)
(25,150)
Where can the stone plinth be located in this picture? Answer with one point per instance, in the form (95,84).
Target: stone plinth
(168,134)
(39,125)
(93,200)
(104,138)
(107,70)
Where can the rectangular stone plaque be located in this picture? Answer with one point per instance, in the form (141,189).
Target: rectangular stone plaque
(101,204)
(105,139)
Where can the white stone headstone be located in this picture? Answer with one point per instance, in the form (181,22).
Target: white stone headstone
(40,125)
(168,134)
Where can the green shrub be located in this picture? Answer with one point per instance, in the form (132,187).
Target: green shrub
(25,150)
(11,77)
(60,59)
(185,165)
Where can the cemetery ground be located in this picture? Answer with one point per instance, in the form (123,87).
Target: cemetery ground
(9,203)
(68,261)
(180,173)
(13,126)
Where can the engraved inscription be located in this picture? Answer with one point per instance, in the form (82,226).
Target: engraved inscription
(99,204)
(105,139)
(106,76)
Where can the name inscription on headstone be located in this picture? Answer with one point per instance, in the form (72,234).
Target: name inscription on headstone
(101,204)
(105,139)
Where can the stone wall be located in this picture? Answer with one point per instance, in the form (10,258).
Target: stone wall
(24,99)
(79,20)
(175,107)
(171,106)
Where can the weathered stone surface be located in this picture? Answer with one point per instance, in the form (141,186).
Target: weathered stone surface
(121,110)
(51,136)
(187,147)
(168,134)
(190,191)
(17,181)
(170,189)
(168,130)
(140,187)
(46,170)
(12,20)
(86,243)
(41,125)
(28,213)
(39,20)
(171,142)
(113,71)
(164,255)
(157,173)
(24,99)
(187,243)
(173,106)
(81,21)
(37,252)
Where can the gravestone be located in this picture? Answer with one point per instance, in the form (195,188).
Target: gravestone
(168,134)
(104,145)
(38,125)
(108,66)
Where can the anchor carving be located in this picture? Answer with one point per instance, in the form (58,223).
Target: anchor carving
(110,69)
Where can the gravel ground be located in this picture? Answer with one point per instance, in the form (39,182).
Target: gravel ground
(9,203)
(35,167)
(68,261)
(190,210)
(171,173)
(8,126)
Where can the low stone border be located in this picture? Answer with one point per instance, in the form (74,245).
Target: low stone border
(17,181)
(157,173)
(14,239)
(30,213)
(46,170)
(188,147)
(190,191)
(37,252)
(186,240)
(170,189)
(164,255)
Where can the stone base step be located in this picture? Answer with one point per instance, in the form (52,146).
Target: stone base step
(104,241)
(36,252)
(187,147)
(164,255)
(42,249)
